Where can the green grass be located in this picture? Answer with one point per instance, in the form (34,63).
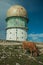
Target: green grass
(9,56)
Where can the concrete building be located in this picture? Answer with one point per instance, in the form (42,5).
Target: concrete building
(16,21)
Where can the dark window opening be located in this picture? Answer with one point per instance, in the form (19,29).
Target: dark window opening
(10,32)
(16,29)
(22,32)
(17,37)
(22,37)
(10,38)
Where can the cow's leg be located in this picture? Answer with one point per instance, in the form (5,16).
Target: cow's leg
(35,54)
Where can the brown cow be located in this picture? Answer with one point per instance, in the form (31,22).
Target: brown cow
(32,48)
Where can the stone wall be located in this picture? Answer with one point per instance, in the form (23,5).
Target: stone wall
(6,42)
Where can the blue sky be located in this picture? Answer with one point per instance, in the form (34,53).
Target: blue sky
(35,15)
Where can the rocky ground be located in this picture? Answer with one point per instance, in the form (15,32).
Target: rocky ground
(11,55)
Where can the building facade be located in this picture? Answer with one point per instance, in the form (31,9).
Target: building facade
(16,29)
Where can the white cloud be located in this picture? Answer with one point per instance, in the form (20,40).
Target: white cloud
(36,37)
(40,35)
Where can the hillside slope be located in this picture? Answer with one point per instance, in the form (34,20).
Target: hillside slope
(10,55)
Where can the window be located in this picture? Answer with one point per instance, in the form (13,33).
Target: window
(10,38)
(10,32)
(22,37)
(17,37)
(16,30)
(22,32)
